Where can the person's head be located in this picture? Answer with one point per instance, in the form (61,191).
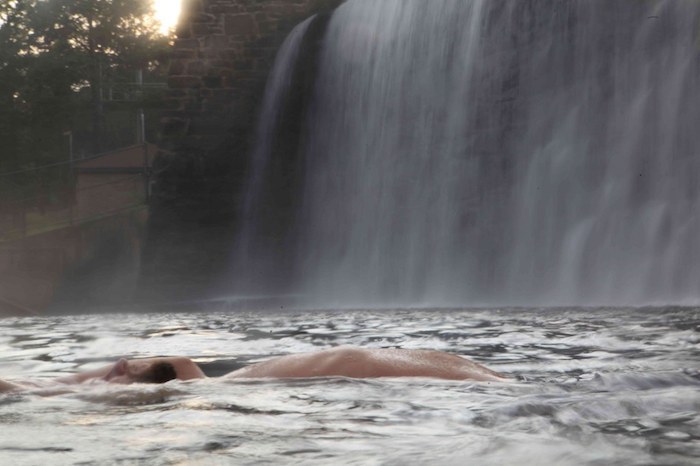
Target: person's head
(141,371)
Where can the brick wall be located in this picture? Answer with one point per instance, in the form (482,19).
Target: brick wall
(219,64)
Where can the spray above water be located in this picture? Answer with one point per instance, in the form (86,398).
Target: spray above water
(496,152)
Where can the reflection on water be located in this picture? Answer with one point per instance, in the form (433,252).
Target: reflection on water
(594,386)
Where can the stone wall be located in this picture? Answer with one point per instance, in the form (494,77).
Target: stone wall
(85,267)
(219,65)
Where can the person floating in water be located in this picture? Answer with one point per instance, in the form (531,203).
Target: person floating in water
(342,361)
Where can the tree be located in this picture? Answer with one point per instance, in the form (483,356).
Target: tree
(15,41)
(56,58)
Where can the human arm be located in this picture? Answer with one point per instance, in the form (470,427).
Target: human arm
(81,377)
(9,387)
(185,368)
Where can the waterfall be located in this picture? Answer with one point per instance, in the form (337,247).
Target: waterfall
(504,152)
(252,263)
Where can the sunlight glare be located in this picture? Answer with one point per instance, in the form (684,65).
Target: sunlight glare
(167,13)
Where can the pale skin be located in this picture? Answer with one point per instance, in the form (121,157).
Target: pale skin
(122,372)
(369,363)
(336,362)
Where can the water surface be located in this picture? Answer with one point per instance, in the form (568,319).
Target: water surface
(593,387)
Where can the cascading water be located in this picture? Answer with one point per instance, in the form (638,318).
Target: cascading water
(502,152)
(254,259)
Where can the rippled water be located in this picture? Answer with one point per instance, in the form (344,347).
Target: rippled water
(594,386)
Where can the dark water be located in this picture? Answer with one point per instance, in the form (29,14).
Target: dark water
(593,387)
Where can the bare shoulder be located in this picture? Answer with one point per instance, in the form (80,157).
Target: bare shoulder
(185,367)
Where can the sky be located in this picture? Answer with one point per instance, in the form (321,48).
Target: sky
(167,12)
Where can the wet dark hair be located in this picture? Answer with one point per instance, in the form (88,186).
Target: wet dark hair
(159,373)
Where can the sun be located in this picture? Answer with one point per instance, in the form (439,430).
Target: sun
(167,13)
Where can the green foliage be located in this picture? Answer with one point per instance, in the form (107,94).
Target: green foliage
(59,62)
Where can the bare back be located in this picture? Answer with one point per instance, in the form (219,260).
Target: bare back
(370,363)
